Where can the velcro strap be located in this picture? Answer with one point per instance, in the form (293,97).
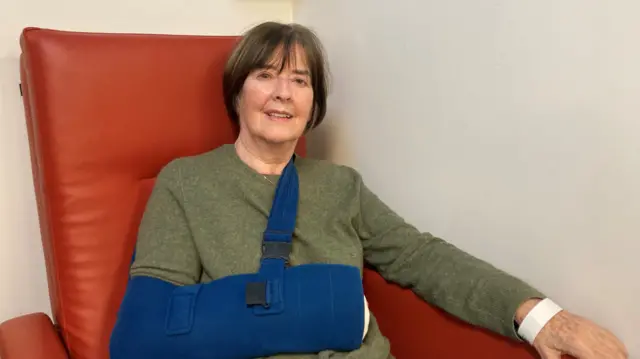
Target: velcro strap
(256,294)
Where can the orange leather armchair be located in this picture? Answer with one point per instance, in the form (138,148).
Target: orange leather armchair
(104,113)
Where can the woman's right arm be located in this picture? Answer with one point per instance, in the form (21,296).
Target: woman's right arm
(154,317)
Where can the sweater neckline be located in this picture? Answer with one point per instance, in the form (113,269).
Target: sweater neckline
(267,179)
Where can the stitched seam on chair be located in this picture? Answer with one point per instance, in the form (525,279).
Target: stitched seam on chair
(40,168)
(56,270)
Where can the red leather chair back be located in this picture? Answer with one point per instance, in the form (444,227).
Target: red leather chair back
(104,113)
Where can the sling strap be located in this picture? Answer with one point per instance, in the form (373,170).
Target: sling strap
(266,295)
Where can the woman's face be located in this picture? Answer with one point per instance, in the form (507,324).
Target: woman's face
(275,106)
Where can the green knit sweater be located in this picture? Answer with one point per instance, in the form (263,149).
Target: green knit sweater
(205,218)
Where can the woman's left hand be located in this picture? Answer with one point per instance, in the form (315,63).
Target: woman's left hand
(570,334)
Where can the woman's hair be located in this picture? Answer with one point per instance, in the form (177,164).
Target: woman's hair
(274,44)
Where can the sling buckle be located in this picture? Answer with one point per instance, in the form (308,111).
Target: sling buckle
(276,250)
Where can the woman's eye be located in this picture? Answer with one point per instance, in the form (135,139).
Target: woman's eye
(264,75)
(300,81)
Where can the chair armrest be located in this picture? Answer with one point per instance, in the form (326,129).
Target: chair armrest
(31,336)
(419,330)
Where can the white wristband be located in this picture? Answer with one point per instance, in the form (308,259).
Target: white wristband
(537,318)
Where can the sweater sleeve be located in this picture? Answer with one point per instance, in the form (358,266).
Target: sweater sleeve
(440,273)
(165,248)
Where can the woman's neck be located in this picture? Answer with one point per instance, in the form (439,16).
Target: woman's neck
(265,159)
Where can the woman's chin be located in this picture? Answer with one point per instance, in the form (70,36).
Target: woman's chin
(281,137)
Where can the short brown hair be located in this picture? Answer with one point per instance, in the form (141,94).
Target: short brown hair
(256,50)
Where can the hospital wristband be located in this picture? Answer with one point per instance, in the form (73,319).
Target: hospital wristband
(537,318)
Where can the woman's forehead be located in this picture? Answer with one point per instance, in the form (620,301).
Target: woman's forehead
(293,59)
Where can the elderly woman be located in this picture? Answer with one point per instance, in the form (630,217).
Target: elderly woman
(250,251)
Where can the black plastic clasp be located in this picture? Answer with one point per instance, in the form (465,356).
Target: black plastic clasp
(276,250)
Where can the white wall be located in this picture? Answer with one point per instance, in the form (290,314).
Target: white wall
(510,128)
(23,287)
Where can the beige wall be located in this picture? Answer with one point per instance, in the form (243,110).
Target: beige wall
(23,286)
(510,128)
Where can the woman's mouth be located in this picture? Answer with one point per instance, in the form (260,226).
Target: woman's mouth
(278,115)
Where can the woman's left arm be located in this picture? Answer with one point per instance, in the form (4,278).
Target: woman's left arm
(468,287)
(439,272)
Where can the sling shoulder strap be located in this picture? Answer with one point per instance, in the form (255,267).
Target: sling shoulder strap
(276,244)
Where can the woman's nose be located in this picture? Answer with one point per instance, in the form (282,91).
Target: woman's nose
(282,90)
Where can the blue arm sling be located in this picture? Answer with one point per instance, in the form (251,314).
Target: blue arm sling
(281,309)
